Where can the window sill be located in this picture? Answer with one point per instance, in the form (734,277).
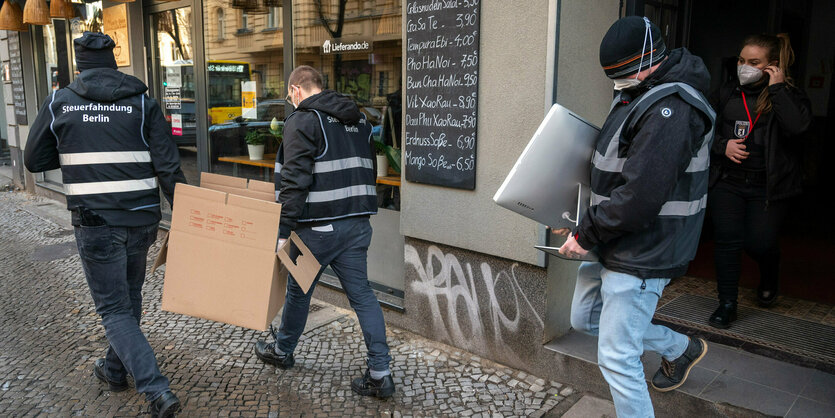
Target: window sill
(270,30)
(243,32)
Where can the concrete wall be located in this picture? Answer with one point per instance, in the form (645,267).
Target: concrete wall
(512,89)
(583,87)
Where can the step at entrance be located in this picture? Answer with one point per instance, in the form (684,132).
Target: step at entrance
(790,339)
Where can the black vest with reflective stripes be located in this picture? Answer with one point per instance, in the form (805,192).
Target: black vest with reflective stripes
(673,236)
(105,158)
(344,181)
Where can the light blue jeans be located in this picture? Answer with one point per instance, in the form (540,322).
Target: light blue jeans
(618,308)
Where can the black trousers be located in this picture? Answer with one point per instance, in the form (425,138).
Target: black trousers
(742,220)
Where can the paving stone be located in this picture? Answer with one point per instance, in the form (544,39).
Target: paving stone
(210,365)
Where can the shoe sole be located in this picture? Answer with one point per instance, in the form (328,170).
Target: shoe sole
(687,372)
(272,362)
(111,387)
(371,392)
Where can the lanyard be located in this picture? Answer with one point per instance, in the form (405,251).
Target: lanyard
(750,124)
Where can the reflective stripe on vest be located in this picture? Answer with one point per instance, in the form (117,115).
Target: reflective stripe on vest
(336,165)
(343,193)
(670,208)
(99,187)
(115,157)
(611,162)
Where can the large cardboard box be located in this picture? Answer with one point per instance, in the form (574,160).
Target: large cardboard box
(222,262)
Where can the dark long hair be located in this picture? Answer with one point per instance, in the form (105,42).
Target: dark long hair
(778,48)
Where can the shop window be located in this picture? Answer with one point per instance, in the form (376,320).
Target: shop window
(245,89)
(357,45)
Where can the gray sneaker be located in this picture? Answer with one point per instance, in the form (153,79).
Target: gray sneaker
(672,374)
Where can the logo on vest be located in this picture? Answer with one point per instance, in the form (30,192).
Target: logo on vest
(742,128)
(666,112)
(353,129)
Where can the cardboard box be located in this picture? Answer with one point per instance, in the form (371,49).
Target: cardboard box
(221,256)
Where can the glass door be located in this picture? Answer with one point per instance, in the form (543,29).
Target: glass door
(172,82)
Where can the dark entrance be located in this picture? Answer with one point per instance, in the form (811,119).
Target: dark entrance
(713,30)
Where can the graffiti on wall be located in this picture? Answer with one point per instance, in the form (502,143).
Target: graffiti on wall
(465,305)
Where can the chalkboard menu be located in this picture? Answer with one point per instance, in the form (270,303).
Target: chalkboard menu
(442,44)
(16,70)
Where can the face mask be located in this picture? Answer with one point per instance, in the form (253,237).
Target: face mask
(626,83)
(748,74)
(289,99)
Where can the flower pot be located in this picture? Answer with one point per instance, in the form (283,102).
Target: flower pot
(382,166)
(256,152)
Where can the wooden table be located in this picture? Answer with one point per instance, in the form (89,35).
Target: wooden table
(268,164)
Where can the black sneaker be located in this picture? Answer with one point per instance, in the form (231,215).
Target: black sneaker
(167,405)
(113,385)
(266,352)
(672,374)
(366,386)
(723,315)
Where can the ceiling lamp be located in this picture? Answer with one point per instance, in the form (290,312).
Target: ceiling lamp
(11,17)
(36,12)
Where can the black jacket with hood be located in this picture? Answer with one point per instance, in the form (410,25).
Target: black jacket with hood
(780,132)
(650,173)
(113,145)
(305,143)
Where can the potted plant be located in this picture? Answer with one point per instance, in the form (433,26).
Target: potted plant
(277,130)
(382,163)
(255,140)
(387,156)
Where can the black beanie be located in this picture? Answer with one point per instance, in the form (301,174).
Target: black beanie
(623,47)
(94,50)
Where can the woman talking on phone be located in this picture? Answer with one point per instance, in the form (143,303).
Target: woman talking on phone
(755,167)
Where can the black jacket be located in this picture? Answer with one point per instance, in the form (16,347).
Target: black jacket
(97,127)
(303,142)
(649,190)
(782,135)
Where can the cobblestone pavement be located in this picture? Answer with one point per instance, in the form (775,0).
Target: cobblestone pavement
(50,335)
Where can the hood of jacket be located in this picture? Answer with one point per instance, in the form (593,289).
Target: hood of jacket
(681,66)
(106,85)
(334,104)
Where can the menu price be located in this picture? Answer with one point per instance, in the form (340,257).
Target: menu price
(442,43)
(16,70)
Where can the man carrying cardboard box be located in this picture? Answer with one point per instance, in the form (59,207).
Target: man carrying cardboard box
(326,183)
(115,151)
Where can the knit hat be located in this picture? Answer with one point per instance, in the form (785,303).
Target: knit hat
(625,50)
(94,50)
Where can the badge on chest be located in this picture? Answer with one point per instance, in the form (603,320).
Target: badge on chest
(742,128)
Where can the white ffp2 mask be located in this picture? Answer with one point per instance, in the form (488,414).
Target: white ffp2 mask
(748,74)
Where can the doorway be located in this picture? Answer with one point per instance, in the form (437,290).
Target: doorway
(171,81)
(714,30)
